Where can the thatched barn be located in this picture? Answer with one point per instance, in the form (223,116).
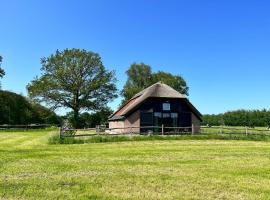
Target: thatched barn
(153,108)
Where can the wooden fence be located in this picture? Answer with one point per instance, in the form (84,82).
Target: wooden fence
(162,130)
(136,130)
(24,127)
(235,130)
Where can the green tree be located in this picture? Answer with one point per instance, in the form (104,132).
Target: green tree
(239,118)
(16,109)
(93,119)
(175,81)
(140,76)
(74,79)
(2,72)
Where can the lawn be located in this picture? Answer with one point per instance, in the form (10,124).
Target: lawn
(30,168)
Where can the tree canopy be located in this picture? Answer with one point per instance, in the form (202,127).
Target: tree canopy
(75,79)
(17,110)
(239,118)
(2,72)
(140,76)
(91,120)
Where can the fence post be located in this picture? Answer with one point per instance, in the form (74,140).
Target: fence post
(60,132)
(246,131)
(192,129)
(97,129)
(162,129)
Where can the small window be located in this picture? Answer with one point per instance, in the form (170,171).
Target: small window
(166,106)
(157,114)
(174,115)
(166,115)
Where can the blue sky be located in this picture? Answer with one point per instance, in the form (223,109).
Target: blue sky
(221,48)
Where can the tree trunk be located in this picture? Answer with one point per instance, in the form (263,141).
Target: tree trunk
(76,118)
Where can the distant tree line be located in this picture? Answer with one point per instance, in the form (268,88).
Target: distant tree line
(15,109)
(90,120)
(241,117)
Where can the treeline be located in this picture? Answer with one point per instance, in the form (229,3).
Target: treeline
(90,120)
(242,117)
(15,109)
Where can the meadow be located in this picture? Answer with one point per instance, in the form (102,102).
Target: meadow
(31,168)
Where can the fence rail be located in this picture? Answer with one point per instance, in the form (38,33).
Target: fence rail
(235,130)
(142,130)
(162,130)
(26,126)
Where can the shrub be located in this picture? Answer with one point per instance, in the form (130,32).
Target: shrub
(108,138)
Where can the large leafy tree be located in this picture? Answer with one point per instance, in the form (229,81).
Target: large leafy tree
(140,76)
(74,79)
(175,81)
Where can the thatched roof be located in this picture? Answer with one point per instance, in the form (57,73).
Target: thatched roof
(156,90)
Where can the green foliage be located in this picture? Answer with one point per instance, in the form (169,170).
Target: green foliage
(140,76)
(16,109)
(55,139)
(91,120)
(75,79)
(2,72)
(175,81)
(239,118)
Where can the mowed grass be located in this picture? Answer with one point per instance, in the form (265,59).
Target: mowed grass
(30,168)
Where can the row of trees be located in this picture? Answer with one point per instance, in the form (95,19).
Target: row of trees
(16,109)
(249,118)
(78,80)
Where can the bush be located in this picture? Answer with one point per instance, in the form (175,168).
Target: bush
(15,109)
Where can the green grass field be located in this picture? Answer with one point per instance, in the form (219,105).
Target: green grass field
(30,168)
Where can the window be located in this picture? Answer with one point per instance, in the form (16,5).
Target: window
(157,114)
(174,115)
(146,119)
(157,119)
(166,106)
(166,115)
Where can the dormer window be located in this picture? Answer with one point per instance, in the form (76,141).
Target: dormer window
(166,106)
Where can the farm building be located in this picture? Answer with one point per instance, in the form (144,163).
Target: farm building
(153,108)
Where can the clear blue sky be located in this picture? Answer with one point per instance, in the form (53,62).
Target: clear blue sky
(221,48)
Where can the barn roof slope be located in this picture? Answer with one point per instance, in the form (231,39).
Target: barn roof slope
(156,90)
